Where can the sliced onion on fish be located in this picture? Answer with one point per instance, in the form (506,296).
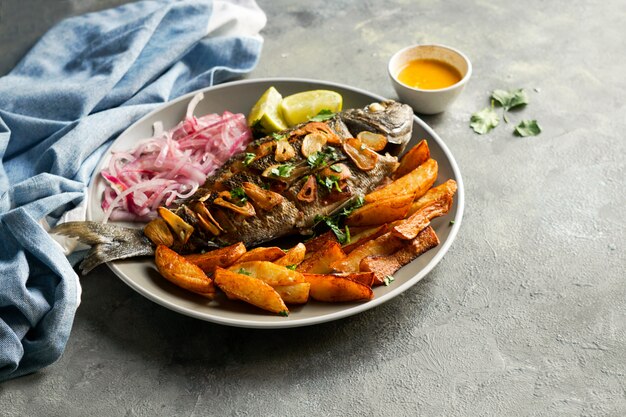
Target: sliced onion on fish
(172,164)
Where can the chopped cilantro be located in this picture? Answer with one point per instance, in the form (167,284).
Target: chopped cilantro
(278,136)
(334,222)
(238,195)
(284,313)
(248,158)
(336,168)
(282,170)
(243,272)
(329,182)
(323,115)
(292,267)
(318,159)
(265,185)
(451,222)
(388,280)
(356,203)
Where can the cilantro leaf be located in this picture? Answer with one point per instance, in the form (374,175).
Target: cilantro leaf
(248,158)
(323,115)
(318,159)
(333,224)
(329,182)
(388,279)
(510,99)
(243,272)
(277,136)
(282,170)
(528,128)
(336,168)
(292,267)
(485,120)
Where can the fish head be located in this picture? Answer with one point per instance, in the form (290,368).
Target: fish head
(390,118)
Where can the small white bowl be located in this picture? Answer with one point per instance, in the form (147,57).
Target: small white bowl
(429,101)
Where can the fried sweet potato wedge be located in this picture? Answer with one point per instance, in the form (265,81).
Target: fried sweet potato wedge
(382,266)
(416,182)
(319,242)
(183,273)
(381,246)
(251,290)
(382,211)
(333,288)
(270,254)
(319,262)
(415,157)
(363,236)
(294,256)
(295,293)
(268,272)
(222,257)
(436,202)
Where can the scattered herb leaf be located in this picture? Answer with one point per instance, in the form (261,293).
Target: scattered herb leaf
(329,182)
(292,267)
(485,120)
(527,128)
(265,186)
(284,313)
(243,272)
(238,196)
(282,170)
(333,224)
(356,203)
(388,280)
(323,115)
(336,168)
(278,136)
(510,99)
(451,222)
(318,159)
(248,158)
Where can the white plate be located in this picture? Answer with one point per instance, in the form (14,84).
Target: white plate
(141,275)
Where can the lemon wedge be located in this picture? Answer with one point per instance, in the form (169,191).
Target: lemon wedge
(266,112)
(300,107)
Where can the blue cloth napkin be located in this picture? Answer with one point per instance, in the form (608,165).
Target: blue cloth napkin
(81,85)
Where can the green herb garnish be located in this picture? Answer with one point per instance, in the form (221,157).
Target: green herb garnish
(278,136)
(485,120)
(388,279)
(248,158)
(336,168)
(292,267)
(282,170)
(451,222)
(243,272)
(356,203)
(318,159)
(329,182)
(323,115)
(238,196)
(510,99)
(333,223)
(528,128)
(284,313)
(265,185)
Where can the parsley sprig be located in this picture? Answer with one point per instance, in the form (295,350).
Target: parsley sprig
(335,222)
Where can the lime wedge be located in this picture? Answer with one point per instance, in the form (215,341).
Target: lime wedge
(300,107)
(266,112)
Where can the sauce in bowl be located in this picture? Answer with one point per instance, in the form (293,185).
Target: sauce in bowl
(429,74)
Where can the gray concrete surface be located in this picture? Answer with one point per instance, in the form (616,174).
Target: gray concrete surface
(525,316)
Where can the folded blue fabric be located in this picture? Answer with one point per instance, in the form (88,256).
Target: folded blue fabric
(83,83)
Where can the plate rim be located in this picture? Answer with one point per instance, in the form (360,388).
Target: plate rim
(350,311)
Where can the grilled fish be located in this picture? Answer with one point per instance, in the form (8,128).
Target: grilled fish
(276,187)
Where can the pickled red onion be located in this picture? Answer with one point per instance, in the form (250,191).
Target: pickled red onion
(170,165)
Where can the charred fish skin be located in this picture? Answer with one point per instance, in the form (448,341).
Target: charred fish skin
(272,189)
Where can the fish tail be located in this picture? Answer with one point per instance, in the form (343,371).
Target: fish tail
(108,242)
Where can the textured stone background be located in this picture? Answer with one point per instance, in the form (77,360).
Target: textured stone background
(524,316)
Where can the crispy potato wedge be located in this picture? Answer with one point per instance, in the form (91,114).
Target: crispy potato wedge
(436,202)
(416,182)
(383,245)
(295,293)
(294,256)
(415,157)
(222,257)
(319,242)
(270,254)
(319,262)
(179,271)
(251,290)
(268,272)
(333,288)
(382,211)
(362,236)
(365,278)
(382,266)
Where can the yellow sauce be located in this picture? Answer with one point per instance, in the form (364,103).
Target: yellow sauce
(429,74)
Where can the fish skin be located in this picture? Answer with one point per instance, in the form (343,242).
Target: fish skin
(290,216)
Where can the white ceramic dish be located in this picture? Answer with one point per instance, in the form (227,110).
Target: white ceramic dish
(429,101)
(141,275)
